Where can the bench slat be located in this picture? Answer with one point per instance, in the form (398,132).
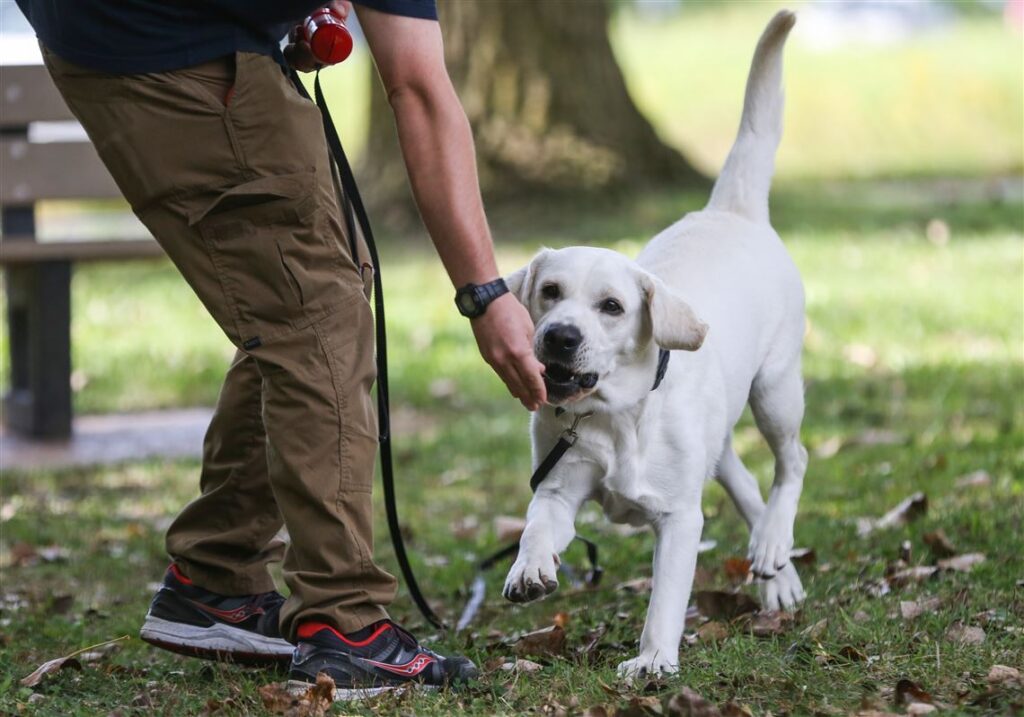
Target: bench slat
(29,95)
(14,250)
(55,170)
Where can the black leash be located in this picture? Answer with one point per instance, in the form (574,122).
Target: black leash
(353,207)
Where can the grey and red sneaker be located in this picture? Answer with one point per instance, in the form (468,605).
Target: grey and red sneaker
(380,657)
(191,620)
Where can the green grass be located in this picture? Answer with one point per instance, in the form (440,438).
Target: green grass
(936,332)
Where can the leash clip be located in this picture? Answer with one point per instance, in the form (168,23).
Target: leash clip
(569,434)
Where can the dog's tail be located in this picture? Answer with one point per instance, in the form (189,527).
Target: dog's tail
(746,177)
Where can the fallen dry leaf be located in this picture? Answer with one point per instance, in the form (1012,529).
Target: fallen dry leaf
(910,609)
(314,702)
(1004,675)
(596,711)
(852,654)
(637,586)
(736,569)
(521,666)
(735,709)
(939,544)
(910,576)
(548,641)
(712,631)
(907,511)
(720,605)
(965,634)
(920,708)
(690,704)
(509,528)
(977,479)
(561,619)
(816,630)
(50,667)
(66,662)
(770,623)
(962,563)
(908,692)
(639,707)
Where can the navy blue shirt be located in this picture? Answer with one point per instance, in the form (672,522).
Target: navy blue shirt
(136,36)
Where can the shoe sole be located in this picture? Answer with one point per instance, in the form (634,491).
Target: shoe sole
(216,642)
(297,688)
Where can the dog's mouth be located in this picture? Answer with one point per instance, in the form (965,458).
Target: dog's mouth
(562,383)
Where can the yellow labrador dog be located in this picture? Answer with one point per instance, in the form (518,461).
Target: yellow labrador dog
(719,291)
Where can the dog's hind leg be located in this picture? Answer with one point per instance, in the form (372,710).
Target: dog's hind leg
(784,590)
(777,401)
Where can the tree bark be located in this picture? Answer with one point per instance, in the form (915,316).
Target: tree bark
(547,102)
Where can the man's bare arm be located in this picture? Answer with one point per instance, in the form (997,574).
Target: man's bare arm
(437,145)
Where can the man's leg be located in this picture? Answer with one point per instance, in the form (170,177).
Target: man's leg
(240,196)
(225,538)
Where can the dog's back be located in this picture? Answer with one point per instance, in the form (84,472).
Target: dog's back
(726,261)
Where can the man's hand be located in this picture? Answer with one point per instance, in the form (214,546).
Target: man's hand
(505,337)
(297,51)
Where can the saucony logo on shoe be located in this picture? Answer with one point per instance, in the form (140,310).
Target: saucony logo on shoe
(239,614)
(411,668)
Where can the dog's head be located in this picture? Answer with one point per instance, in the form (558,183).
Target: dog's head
(597,316)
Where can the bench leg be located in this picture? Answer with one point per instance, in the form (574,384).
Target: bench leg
(39,325)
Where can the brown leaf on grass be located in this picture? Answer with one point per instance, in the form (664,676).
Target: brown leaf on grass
(907,511)
(852,654)
(637,586)
(965,634)
(548,641)
(977,479)
(736,569)
(314,702)
(962,563)
(23,554)
(509,528)
(690,704)
(908,692)
(639,707)
(561,619)
(66,662)
(50,667)
(521,666)
(803,556)
(735,709)
(466,527)
(592,639)
(817,630)
(939,544)
(911,576)
(596,711)
(910,609)
(713,631)
(720,605)
(1004,675)
(770,623)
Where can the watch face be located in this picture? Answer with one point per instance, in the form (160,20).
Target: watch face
(467,302)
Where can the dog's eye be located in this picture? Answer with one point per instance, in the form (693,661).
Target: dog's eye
(611,306)
(551,291)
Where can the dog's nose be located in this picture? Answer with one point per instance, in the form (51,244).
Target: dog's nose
(562,338)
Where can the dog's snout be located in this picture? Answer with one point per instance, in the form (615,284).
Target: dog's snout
(562,338)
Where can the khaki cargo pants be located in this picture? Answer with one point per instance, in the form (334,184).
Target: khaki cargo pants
(227,166)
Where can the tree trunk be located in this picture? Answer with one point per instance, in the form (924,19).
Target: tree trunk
(547,103)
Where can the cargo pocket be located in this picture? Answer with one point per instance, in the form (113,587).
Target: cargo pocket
(266,240)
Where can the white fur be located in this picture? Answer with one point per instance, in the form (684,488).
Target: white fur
(645,455)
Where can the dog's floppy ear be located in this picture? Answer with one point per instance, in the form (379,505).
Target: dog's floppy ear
(673,323)
(520,282)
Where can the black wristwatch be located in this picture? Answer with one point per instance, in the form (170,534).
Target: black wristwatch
(472,299)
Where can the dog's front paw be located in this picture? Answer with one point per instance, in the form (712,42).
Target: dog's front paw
(531,577)
(648,665)
(771,540)
(784,591)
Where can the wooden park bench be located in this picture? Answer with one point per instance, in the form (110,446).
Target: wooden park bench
(37,274)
